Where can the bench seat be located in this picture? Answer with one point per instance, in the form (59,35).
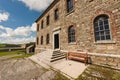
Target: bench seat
(79,56)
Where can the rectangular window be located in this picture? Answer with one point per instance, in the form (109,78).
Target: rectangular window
(37,27)
(42,24)
(41,40)
(56,14)
(48,20)
(47,39)
(69,5)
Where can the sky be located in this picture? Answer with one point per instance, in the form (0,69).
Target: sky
(17,20)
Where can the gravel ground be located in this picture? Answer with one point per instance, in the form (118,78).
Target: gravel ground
(25,69)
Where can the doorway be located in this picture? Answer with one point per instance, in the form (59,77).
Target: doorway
(56,41)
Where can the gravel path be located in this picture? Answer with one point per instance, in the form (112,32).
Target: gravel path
(23,69)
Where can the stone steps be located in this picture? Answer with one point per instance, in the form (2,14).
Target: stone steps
(43,58)
(57,55)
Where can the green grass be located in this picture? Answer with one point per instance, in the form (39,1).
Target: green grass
(12,53)
(22,56)
(9,45)
(16,54)
(2,45)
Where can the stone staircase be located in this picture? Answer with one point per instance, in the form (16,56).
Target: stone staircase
(57,55)
(43,58)
(48,57)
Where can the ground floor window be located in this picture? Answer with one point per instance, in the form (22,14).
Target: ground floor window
(102,28)
(47,39)
(71,34)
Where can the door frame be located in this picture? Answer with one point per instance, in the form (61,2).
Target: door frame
(54,33)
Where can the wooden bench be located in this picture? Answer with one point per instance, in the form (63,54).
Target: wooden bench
(79,56)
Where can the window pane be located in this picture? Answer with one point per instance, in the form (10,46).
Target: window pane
(107,32)
(96,29)
(97,33)
(96,24)
(102,33)
(108,37)
(101,27)
(100,22)
(106,26)
(106,21)
(102,37)
(97,38)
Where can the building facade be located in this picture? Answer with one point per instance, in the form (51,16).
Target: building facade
(82,25)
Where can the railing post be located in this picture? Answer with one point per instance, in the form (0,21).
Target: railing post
(9,49)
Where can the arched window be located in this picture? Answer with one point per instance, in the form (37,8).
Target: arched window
(71,34)
(47,39)
(102,28)
(41,40)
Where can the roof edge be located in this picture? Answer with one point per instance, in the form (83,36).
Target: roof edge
(48,8)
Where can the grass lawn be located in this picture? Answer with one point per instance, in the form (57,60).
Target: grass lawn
(17,53)
(2,45)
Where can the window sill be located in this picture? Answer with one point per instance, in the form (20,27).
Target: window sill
(70,12)
(55,20)
(105,42)
(72,43)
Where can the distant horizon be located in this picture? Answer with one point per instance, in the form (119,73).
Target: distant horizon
(17,44)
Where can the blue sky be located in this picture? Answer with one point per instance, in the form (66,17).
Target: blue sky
(17,19)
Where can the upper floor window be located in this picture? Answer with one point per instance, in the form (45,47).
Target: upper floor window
(69,5)
(37,27)
(71,34)
(41,40)
(47,39)
(42,22)
(37,41)
(102,28)
(48,20)
(56,14)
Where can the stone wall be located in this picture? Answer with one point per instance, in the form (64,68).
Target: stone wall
(106,60)
(39,50)
(82,17)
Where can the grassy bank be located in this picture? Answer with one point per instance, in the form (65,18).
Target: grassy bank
(16,54)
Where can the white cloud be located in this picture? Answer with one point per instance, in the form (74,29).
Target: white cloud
(19,31)
(37,5)
(17,40)
(4,16)
(19,35)
(33,27)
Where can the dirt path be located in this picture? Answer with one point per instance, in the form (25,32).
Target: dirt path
(24,69)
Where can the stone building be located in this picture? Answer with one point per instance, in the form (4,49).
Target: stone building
(82,25)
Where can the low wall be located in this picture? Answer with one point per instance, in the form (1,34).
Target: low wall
(39,50)
(107,60)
